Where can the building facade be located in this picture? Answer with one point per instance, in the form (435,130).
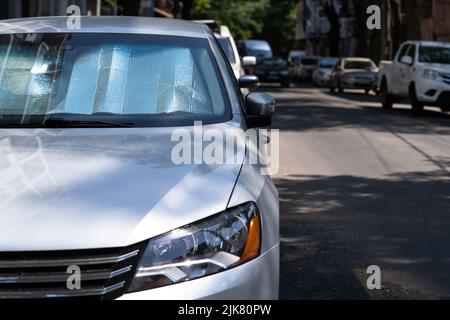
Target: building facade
(401,20)
(34,8)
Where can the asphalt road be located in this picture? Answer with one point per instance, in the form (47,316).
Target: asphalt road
(361,186)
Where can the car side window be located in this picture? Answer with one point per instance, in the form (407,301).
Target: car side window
(338,65)
(403,52)
(412,52)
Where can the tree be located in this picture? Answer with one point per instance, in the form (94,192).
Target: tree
(279,26)
(244,17)
(129,7)
(270,20)
(188,6)
(334,35)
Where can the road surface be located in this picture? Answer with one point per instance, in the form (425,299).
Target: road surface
(361,186)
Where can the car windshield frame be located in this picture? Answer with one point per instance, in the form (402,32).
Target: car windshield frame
(433,49)
(229,51)
(169,118)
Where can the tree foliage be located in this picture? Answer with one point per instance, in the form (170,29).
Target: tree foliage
(244,17)
(279,26)
(271,20)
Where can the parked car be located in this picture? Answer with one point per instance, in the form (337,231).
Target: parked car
(274,70)
(354,73)
(255,48)
(322,74)
(420,72)
(304,68)
(295,55)
(228,45)
(89,181)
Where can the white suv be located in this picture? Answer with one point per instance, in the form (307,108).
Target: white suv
(420,72)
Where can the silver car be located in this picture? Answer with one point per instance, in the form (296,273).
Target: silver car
(322,74)
(92,202)
(354,73)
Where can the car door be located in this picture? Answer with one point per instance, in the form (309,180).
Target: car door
(409,71)
(338,72)
(398,73)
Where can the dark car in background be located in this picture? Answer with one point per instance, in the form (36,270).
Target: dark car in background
(274,70)
(256,48)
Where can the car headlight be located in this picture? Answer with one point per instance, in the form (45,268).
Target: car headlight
(431,74)
(215,244)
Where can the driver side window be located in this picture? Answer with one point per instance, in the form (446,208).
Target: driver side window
(403,52)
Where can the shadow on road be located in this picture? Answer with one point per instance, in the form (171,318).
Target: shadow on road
(354,96)
(333,228)
(303,114)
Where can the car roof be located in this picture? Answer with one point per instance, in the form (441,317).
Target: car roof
(106,24)
(430,43)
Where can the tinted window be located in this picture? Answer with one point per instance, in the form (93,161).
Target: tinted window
(359,65)
(140,80)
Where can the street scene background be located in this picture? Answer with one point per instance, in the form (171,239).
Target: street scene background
(359,185)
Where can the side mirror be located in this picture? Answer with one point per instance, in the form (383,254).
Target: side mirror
(407,60)
(260,108)
(249,61)
(249,82)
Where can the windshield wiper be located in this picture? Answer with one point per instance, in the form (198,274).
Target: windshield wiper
(82,121)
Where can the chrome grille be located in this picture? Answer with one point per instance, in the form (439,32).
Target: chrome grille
(105,273)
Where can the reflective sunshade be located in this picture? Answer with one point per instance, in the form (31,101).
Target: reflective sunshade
(120,76)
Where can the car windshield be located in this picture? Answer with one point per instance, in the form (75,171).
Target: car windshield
(225,43)
(434,55)
(273,63)
(359,65)
(309,61)
(257,45)
(85,79)
(327,63)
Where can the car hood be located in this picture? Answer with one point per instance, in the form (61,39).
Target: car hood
(442,68)
(95,188)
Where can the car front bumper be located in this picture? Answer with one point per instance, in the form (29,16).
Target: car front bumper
(433,92)
(254,280)
(355,84)
(323,80)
